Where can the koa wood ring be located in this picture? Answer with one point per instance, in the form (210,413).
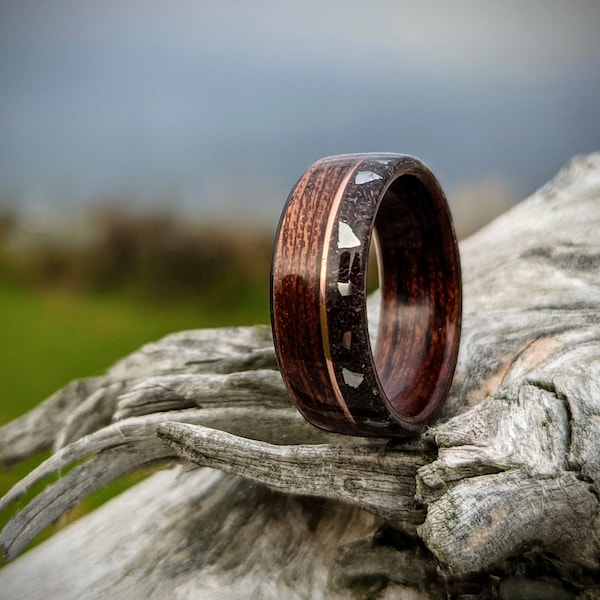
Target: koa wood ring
(318,295)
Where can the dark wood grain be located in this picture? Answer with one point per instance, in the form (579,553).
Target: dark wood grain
(319,295)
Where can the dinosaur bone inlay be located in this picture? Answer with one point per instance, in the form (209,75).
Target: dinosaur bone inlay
(366,177)
(351,378)
(346,236)
(344,288)
(349,278)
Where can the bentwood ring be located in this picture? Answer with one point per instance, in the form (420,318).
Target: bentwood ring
(318,295)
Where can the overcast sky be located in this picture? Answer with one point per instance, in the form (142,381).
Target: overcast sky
(221,105)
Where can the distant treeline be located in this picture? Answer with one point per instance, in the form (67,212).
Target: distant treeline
(154,255)
(165,258)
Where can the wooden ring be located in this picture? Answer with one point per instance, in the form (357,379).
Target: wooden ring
(318,295)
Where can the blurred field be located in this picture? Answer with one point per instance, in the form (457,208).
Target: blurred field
(51,337)
(75,301)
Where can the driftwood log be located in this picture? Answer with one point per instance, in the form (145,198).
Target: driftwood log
(499,500)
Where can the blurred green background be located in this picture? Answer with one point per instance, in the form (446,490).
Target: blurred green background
(71,307)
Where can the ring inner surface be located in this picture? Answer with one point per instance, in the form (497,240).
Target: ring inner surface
(416,263)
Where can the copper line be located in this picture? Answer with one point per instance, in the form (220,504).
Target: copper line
(323,292)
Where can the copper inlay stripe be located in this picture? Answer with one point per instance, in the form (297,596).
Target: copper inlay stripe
(333,211)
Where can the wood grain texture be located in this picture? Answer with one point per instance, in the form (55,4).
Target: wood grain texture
(296,312)
(511,491)
(311,470)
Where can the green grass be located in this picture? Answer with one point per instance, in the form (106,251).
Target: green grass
(50,338)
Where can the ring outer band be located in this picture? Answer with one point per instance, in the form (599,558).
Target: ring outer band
(318,296)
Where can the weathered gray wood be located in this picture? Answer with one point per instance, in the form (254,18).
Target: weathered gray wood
(89,404)
(534,282)
(128,445)
(36,430)
(324,470)
(508,478)
(194,522)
